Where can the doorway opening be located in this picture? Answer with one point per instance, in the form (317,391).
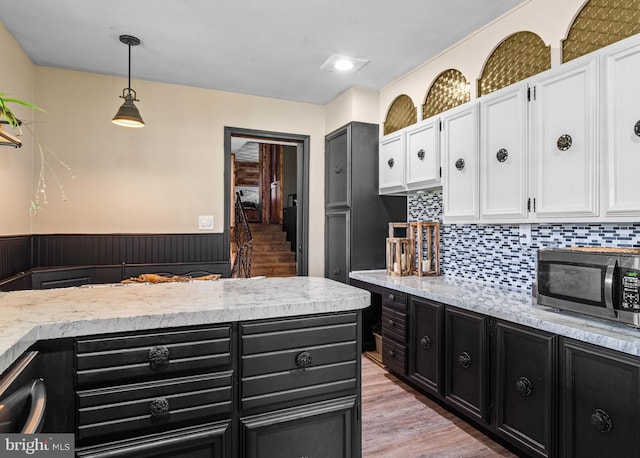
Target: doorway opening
(270,173)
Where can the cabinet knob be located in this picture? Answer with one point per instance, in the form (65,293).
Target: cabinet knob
(465,360)
(426,342)
(303,359)
(392,323)
(337,169)
(392,353)
(390,163)
(601,421)
(336,271)
(391,297)
(524,386)
(460,164)
(158,358)
(636,128)
(421,154)
(564,142)
(502,155)
(159,408)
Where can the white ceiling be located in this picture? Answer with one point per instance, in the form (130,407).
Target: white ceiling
(267,48)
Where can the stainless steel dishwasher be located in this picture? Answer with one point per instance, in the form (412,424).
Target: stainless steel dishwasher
(23,397)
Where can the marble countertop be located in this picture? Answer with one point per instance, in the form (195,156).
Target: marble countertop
(29,316)
(510,304)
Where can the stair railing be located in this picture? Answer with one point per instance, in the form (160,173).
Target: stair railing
(244,242)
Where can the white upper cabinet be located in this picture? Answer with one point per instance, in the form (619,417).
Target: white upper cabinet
(621,135)
(503,155)
(564,141)
(422,155)
(460,159)
(391,167)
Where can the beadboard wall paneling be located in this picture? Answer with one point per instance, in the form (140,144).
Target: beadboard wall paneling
(15,255)
(114,249)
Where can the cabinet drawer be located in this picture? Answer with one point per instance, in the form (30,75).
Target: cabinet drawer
(395,300)
(134,407)
(394,325)
(296,333)
(394,356)
(289,362)
(131,356)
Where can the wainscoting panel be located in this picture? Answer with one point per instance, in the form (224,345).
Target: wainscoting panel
(15,255)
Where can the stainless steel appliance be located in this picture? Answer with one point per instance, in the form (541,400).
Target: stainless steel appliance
(596,281)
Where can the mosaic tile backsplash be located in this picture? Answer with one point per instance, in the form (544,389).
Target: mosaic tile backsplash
(493,252)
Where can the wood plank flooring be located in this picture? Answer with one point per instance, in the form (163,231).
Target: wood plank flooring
(399,422)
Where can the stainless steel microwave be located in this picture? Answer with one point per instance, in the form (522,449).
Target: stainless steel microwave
(595,281)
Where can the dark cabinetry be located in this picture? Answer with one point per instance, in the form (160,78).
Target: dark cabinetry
(394,331)
(356,217)
(600,402)
(131,387)
(466,362)
(523,387)
(425,337)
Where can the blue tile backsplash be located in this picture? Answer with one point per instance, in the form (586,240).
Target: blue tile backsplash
(493,252)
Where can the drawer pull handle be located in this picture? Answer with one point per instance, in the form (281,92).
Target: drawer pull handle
(303,359)
(502,155)
(601,421)
(159,408)
(426,342)
(158,358)
(524,386)
(564,142)
(465,360)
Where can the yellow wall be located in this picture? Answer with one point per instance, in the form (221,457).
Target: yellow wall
(16,80)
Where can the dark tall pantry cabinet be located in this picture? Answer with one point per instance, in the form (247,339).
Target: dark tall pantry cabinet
(356,217)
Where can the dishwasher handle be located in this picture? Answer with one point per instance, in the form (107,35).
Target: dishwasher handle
(11,408)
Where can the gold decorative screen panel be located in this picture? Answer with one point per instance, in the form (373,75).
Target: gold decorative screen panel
(601,23)
(449,90)
(518,57)
(402,113)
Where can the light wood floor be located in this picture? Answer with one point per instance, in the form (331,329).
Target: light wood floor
(399,422)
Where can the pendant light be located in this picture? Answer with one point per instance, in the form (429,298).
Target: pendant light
(128,114)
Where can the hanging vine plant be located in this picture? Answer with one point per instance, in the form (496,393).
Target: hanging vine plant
(40,196)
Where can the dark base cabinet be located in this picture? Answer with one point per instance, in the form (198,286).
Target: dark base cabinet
(600,402)
(524,387)
(394,331)
(320,430)
(465,362)
(208,441)
(425,337)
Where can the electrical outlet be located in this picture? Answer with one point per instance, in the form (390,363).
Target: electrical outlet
(524,234)
(205,222)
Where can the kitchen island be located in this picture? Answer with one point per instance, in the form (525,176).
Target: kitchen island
(219,368)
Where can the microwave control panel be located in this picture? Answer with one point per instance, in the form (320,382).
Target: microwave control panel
(630,290)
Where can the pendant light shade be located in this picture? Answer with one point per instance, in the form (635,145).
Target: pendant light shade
(128,114)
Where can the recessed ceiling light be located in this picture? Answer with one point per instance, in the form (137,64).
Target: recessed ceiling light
(343,64)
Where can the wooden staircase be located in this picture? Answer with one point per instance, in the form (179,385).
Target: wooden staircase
(271,255)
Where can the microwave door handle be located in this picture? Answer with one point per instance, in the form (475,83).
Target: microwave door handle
(608,287)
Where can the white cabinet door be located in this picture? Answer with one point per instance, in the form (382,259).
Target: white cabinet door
(460,171)
(391,167)
(564,135)
(621,155)
(422,155)
(503,155)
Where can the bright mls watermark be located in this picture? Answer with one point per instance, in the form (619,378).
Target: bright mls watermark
(37,445)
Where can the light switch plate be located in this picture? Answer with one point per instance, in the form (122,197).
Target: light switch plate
(205,222)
